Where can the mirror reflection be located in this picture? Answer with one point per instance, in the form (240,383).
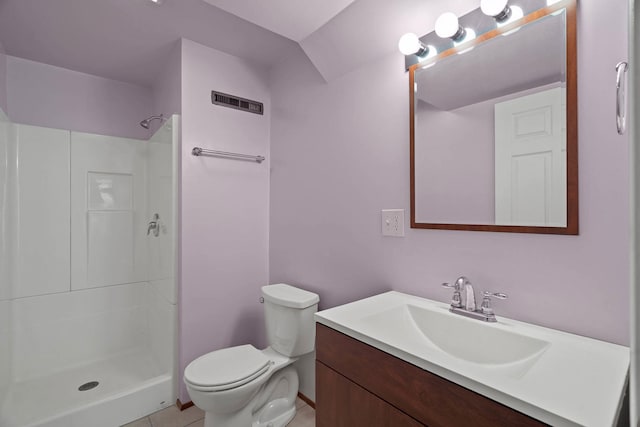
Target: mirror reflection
(490,131)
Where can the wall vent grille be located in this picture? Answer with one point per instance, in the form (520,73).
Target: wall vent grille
(235,102)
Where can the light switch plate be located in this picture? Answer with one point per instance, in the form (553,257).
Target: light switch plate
(393,222)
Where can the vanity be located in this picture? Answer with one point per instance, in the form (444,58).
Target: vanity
(399,360)
(493,125)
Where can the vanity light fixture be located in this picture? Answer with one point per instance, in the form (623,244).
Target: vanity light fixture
(491,15)
(448,27)
(410,44)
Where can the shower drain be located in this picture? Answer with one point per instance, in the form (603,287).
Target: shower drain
(88,386)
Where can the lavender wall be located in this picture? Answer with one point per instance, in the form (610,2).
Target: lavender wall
(225,207)
(454,159)
(44,95)
(344,156)
(3,81)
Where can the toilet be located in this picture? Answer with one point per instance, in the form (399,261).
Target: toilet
(246,387)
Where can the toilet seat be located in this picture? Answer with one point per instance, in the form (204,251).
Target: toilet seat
(226,369)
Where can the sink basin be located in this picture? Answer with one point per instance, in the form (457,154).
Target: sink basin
(472,340)
(460,337)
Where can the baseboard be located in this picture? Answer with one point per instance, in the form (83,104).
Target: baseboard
(189,404)
(307,400)
(183,406)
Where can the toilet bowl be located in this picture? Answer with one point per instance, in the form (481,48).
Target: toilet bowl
(260,377)
(246,387)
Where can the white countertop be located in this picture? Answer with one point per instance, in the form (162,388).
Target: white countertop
(575,381)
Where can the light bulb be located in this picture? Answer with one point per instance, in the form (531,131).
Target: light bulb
(493,8)
(409,44)
(447,25)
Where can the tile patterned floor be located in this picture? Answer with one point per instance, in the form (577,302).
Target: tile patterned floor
(194,417)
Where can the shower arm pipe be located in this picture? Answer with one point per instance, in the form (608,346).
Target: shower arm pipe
(146,122)
(197,151)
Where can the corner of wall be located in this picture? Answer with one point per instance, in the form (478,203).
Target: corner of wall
(167,88)
(4,105)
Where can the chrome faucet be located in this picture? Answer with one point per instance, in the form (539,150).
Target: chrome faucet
(462,286)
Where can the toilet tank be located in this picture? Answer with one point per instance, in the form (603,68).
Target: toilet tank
(288,313)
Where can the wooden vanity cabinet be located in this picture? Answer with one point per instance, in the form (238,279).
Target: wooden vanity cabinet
(359,385)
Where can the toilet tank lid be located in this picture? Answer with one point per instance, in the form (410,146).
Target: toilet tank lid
(289,296)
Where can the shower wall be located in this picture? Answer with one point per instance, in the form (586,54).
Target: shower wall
(162,253)
(5,306)
(81,281)
(108,211)
(5,353)
(56,332)
(104,195)
(37,207)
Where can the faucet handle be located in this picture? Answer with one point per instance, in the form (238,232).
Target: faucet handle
(498,295)
(456,300)
(486,301)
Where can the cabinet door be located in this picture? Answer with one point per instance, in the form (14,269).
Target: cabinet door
(423,396)
(342,403)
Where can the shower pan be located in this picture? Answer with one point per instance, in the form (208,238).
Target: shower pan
(87,298)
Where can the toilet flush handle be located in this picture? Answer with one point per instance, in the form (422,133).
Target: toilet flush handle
(261,300)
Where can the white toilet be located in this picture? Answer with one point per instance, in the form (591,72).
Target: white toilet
(246,387)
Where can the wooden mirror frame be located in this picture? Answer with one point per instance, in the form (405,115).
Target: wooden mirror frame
(571,124)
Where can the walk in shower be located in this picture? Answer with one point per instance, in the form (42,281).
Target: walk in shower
(87,276)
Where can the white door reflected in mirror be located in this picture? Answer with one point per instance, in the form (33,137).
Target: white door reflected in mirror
(530,160)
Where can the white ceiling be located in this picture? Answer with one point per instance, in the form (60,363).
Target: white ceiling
(294,19)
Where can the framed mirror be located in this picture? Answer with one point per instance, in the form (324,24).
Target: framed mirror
(494,126)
